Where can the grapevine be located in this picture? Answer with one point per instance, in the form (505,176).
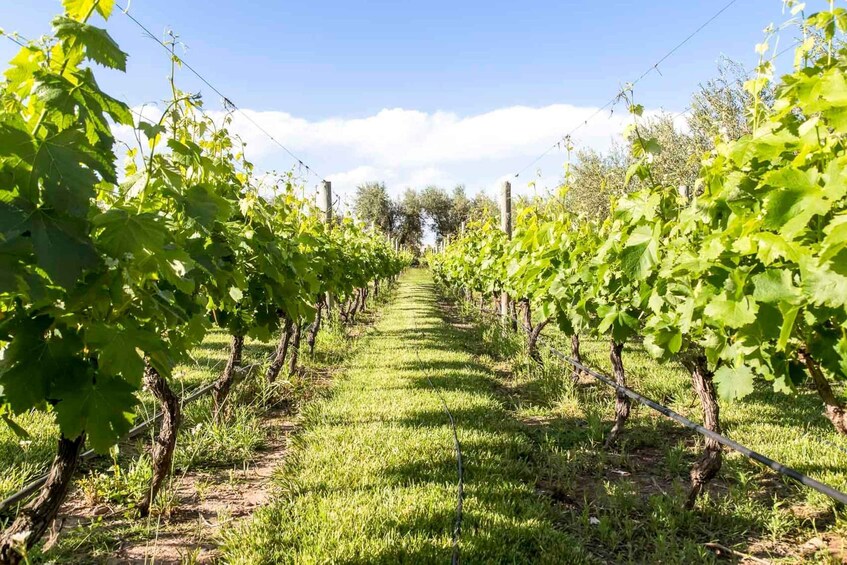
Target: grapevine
(743,280)
(106,285)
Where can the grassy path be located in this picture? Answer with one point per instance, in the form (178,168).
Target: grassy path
(373,475)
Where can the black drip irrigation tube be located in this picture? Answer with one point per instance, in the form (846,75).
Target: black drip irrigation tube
(32,487)
(813,484)
(460,490)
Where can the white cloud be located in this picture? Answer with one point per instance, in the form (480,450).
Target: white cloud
(410,148)
(409,138)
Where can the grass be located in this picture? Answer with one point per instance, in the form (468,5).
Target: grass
(373,476)
(205,447)
(24,459)
(626,503)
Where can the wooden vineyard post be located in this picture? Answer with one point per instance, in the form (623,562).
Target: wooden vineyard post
(506,226)
(325,203)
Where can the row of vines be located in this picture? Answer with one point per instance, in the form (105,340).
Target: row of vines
(109,278)
(744,279)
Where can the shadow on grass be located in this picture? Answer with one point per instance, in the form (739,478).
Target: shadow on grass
(635,492)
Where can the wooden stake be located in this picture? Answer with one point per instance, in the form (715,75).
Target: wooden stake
(325,203)
(506,226)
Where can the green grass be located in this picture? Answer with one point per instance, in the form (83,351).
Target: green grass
(23,459)
(373,476)
(204,445)
(636,491)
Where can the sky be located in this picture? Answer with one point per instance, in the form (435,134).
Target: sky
(422,93)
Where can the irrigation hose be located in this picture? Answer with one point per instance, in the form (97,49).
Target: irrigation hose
(682,420)
(31,487)
(460,490)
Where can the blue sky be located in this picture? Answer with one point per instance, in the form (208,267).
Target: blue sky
(422,92)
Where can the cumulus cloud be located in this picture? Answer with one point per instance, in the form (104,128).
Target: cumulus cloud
(410,148)
(410,138)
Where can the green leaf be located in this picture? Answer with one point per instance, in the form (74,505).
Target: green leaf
(841,350)
(774,285)
(15,142)
(734,383)
(152,131)
(236,294)
(66,167)
(103,410)
(675,343)
(62,248)
(79,9)
(205,206)
(724,311)
(789,315)
(836,237)
(121,350)
(640,253)
(773,247)
(795,200)
(98,45)
(822,285)
(26,384)
(123,232)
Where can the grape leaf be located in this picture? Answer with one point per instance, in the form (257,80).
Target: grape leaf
(822,285)
(123,231)
(152,131)
(121,350)
(641,253)
(66,170)
(78,9)
(101,409)
(724,311)
(61,247)
(26,384)
(774,285)
(734,383)
(205,206)
(795,200)
(97,43)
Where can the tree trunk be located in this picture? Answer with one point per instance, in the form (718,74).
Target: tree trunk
(576,355)
(513,316)
(347,312)
(376,288)
(833,408)
(227,378)
(621,400)
(281,351)
(532,341)
(526,313)
(316,327)
(295,348)
(709,463)
(354,308)
(35,518)
(165,442)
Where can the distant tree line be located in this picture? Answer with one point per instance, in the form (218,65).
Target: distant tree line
(406,217)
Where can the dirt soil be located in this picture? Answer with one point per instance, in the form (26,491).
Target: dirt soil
(204,500)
